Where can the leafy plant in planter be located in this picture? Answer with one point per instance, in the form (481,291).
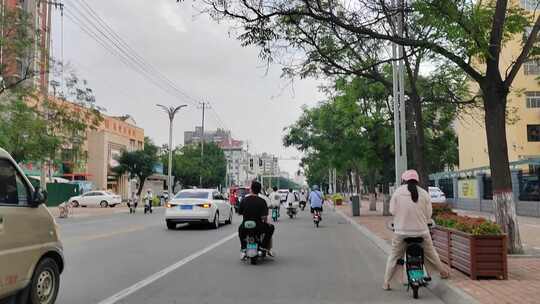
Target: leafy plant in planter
(338,199)
(475,246)
(439,209)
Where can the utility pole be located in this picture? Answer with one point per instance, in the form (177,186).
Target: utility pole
(400,130)
(203,105)
(171,112)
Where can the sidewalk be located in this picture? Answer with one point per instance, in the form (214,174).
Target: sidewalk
(522,286)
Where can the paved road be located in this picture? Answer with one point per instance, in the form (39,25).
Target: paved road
(123,255)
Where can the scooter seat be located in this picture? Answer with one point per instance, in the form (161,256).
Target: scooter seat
(411,240)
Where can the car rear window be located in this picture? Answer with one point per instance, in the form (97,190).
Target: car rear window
(193,194)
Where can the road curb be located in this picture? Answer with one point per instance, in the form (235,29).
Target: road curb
(445,291)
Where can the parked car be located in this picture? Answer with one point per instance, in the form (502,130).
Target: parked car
(102,199)
(31,253)
(205,206)
(437,196)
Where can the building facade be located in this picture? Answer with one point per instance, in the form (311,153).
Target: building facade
(523,126)
(104,145)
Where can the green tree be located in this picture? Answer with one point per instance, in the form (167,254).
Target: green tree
(138,164)
(23,133)
(468,35)
(187,165)
(18,43)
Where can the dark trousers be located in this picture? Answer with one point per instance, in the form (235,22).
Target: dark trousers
(267,229)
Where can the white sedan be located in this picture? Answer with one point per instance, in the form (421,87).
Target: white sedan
(102,199)
(206,206)
(437,196)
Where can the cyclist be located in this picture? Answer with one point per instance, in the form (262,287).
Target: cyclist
(316,200)
(411,208)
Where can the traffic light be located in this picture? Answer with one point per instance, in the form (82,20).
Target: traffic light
(251,163)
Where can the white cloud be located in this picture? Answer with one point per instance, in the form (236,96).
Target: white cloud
(171,15)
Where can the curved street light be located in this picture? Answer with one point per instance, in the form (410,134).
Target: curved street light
(171,111)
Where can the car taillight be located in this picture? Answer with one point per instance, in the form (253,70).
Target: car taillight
(205,206)
(168,205)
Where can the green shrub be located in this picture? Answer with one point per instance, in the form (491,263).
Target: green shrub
(337,197)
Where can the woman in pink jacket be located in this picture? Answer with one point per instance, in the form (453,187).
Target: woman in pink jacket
(411,207)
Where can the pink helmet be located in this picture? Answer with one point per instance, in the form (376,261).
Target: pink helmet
(410,175)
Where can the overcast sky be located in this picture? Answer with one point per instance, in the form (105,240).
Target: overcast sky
(201,58)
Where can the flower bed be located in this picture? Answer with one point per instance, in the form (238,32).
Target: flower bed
(474,246)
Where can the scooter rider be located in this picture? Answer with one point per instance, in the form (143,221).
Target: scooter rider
(275,199)
(412,210)
(316,200)
(254,208)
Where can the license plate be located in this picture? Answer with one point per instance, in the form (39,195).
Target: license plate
(186,207)
(252,246)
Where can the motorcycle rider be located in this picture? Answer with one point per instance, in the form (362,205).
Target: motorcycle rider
(254,208)
(316,200)
(411,207)
(290,202)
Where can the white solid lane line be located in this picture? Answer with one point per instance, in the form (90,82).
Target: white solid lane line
(156,276)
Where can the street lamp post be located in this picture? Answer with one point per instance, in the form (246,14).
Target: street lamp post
(171,111)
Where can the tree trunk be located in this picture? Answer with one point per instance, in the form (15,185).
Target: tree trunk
(386,200)
(141,186)
(419,143)
(504,205)
(372,202)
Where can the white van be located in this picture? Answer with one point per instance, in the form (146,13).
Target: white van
(31,254)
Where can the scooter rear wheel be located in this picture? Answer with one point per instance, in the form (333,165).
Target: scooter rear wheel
(415,292)
(253,261)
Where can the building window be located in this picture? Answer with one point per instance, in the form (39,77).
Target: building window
(530,4)
(533,99)
(533,132)
(531,67)
(107,125)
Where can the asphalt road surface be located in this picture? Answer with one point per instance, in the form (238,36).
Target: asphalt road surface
(134,259)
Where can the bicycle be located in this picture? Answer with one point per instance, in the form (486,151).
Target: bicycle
(66,209)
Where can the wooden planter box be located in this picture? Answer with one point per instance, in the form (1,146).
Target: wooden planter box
(476,256)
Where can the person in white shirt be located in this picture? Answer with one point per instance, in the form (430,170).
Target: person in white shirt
(291,199)
(275,199)
(411,207)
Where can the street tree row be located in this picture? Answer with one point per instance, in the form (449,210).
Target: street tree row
(329,37)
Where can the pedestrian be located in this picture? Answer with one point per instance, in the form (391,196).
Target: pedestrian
(411,207)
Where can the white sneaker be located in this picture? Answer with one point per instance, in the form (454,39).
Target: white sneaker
(243,255)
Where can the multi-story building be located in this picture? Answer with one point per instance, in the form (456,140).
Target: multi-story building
(265,164)
(114,135)
(194,137)
(237,162)
(36,64)
(523,127)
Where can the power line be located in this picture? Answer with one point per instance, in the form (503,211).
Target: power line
(89,22)
(100,20)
